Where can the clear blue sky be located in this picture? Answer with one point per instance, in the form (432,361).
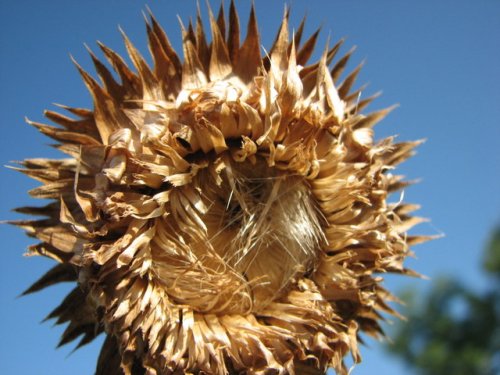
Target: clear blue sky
(440,60)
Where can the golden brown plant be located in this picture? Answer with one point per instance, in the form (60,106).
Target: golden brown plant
(223,214)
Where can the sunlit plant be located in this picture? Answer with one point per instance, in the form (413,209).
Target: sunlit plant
(223,213)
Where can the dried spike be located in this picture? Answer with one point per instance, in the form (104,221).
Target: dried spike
(250,61)
(346,85)
(149,80)
(193,75)
(85,125)
(279,49)
(166,45)
(164,69)
(108,117)
(320,72)
(31,226)
(73,309)
(53,190)
(325,88)
(363,103)
(402,210)
(89,332)
(220,64)
(341,64)
(49,251)
(416,240)
(95,89)
(233,37)
(65,121)
(292,61)
(314,67)
(111,86)
(300,31)
(399,185)
(201,41)
(190,34)
(399,152)
(72,332)
(51,210)
(81,112)
(129,80)
(63,136)
(292,86)
(305,52)
(59,273)
(42,163)
(109,359)
(373,118)
(45,175)
(354,98)
(221,20)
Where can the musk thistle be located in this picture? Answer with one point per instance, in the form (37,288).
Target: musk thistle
(224,213)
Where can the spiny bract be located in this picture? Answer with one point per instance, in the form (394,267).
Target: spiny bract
(222,214)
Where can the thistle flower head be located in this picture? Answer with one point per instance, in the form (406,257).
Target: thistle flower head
(224,213)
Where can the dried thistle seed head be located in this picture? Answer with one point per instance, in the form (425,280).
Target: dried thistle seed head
(224,213)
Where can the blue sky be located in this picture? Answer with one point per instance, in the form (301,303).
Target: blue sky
(439,60)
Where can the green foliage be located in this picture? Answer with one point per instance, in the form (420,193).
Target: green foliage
(451,329)
(492,258)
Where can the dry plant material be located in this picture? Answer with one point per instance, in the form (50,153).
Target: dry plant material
(222,214)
